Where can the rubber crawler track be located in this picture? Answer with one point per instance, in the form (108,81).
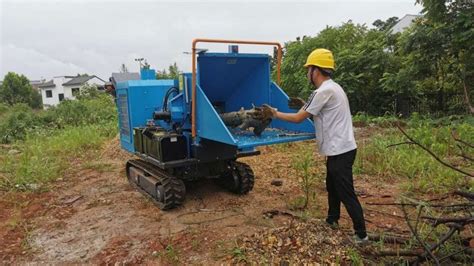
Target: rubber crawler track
(174,189)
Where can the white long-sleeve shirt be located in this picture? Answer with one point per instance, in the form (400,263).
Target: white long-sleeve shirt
(332,119)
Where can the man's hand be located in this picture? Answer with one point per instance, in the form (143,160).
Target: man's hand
(296,103)
(269,111)
(265,112)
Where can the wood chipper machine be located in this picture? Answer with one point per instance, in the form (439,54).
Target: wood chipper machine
(185,129)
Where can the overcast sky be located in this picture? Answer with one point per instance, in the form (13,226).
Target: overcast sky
(42,38)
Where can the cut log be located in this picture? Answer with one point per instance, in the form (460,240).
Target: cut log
(244,119)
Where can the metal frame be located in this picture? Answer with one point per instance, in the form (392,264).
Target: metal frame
(195,41)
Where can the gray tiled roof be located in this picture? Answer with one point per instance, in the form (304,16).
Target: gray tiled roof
(48,84)
(119,77)
(79,80)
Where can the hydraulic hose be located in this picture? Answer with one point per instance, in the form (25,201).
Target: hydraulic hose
(167,95)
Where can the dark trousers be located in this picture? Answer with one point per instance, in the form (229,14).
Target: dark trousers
(340,187)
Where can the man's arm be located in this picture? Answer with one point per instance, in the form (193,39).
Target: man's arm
(312,107)
(292,117)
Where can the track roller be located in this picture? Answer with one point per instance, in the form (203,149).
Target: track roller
(166,191)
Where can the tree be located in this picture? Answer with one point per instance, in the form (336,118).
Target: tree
(361,62)
(17,89)
(173,72)
(385,25)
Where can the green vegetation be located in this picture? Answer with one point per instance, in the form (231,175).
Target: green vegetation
(304,165)
(16,89)
(20,120)
(355,257)
(41,145)
(170,254)
(409,162)
(427,69)
(173,72)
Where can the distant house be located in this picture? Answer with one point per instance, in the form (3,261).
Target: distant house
(403,23)
(66,87)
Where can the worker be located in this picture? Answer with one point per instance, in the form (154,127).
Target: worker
(329,107)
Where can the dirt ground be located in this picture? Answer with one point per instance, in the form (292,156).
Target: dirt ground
(92,215)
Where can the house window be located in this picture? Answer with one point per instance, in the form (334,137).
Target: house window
(61,97)
(75,91)
(49,94)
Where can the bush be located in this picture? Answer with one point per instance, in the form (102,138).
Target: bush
(19,120)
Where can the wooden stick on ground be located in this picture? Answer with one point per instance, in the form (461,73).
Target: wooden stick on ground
(417,237)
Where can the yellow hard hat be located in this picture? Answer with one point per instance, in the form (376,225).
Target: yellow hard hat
(320,57)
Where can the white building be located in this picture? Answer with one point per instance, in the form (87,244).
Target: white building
(66,87)
(403,23)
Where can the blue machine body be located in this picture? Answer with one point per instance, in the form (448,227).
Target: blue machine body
(226,82)
(136,102)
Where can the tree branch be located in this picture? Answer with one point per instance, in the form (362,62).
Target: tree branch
(414,204)
(401,143)
(456,138)
(442,220)
(465,194)
(417,237)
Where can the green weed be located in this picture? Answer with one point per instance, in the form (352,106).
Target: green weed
(305,164)
(355,257)
(170,254)
(408,161)
(239,254)
(42,158)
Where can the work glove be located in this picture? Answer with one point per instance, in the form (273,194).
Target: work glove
(296,103)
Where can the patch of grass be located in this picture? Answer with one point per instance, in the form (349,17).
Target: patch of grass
(362,119)
(421,171)
(171,254)
(43,157)
(239,254)
(355,257)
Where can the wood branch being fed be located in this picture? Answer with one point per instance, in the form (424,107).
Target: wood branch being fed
(432,154)
(244,119)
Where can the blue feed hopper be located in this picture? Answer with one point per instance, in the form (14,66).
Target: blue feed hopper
(226,82)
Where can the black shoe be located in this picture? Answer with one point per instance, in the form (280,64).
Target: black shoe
(333,224)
